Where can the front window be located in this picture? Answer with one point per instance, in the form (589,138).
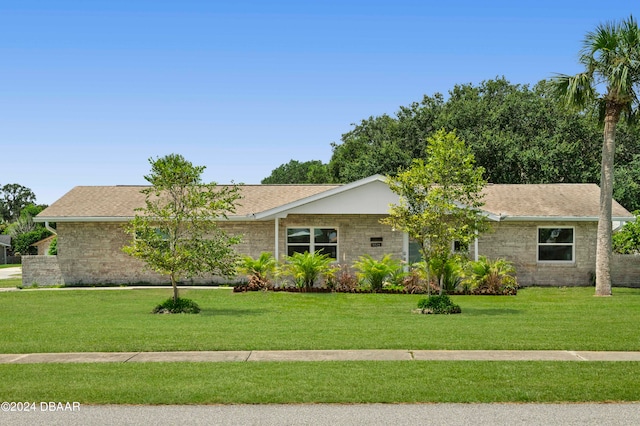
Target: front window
(556,244)
(300,240)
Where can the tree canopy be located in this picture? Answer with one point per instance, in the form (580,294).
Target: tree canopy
(176,233)
(440,198)
(518,133)
(13,199)
(294,171)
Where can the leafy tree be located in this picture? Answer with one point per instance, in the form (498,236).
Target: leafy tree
(521,134)
(439,198)
(370,148)
(22,242)
(296,172)
(176,232)
(14,198)
(627,239)
(610,56)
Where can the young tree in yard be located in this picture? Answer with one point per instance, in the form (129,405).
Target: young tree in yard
(439,198)
(611,57)
(176,232)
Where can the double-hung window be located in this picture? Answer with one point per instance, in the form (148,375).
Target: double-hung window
(556,244)
(312,239)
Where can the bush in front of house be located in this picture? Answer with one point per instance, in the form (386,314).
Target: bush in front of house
(305,268)
(376,272)
(486,276)
(438,304)
(178,306)
(260,271)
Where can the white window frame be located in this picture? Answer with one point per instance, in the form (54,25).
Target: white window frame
(312,243)
(572,244)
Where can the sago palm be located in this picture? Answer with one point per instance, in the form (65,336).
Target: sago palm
(611,58)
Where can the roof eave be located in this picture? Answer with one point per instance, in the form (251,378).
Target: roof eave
(58,219)
(505,218)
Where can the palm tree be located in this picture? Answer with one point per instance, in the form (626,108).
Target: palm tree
(611,57)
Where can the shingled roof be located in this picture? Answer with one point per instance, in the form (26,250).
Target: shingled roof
(502,202)
(120,202)
(578,201)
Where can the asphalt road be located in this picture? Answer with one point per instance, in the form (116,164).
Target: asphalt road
(336,415)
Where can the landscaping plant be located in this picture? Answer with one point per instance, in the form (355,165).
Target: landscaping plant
(376,272)
(176,233)
(306,268)
(438,304)
(486,276)
(260,270)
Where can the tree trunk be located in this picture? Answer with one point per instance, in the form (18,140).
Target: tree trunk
(604,244)
(174,284)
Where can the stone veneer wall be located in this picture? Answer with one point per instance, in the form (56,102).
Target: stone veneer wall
(354,235)
(91,253)
(625,270)
(41,270)
(517,242)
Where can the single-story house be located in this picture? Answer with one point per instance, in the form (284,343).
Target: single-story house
(5,245)
(547,230)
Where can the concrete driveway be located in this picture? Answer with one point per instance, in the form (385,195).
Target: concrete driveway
(13,272)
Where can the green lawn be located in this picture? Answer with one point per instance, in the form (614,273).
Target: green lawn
(120,320)
(10,265)
(316,382)
(10,282)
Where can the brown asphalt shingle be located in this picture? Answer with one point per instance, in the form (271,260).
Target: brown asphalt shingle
(121,201)
(542,200)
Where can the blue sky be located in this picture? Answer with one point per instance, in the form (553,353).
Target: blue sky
(90,90)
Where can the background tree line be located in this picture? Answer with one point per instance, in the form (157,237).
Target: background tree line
(518,133)
(17,209)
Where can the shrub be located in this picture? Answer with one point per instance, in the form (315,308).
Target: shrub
(305,268)
(486,276)
(376,272)
(438,305)
(53,247)
(448,274)
(342,280)
(627,239)
(179,306)
(259,270)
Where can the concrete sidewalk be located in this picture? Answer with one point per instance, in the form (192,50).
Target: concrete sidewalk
(319,355)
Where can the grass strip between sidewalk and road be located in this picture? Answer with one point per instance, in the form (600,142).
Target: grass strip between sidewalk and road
(33,321)
(322,382)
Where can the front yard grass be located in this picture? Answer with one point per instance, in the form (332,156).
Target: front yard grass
(120,320)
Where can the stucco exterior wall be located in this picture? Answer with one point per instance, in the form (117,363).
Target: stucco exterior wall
(518,243)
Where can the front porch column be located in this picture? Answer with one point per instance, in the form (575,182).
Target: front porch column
(276,251)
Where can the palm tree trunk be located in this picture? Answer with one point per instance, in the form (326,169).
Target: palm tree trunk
(604,245)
